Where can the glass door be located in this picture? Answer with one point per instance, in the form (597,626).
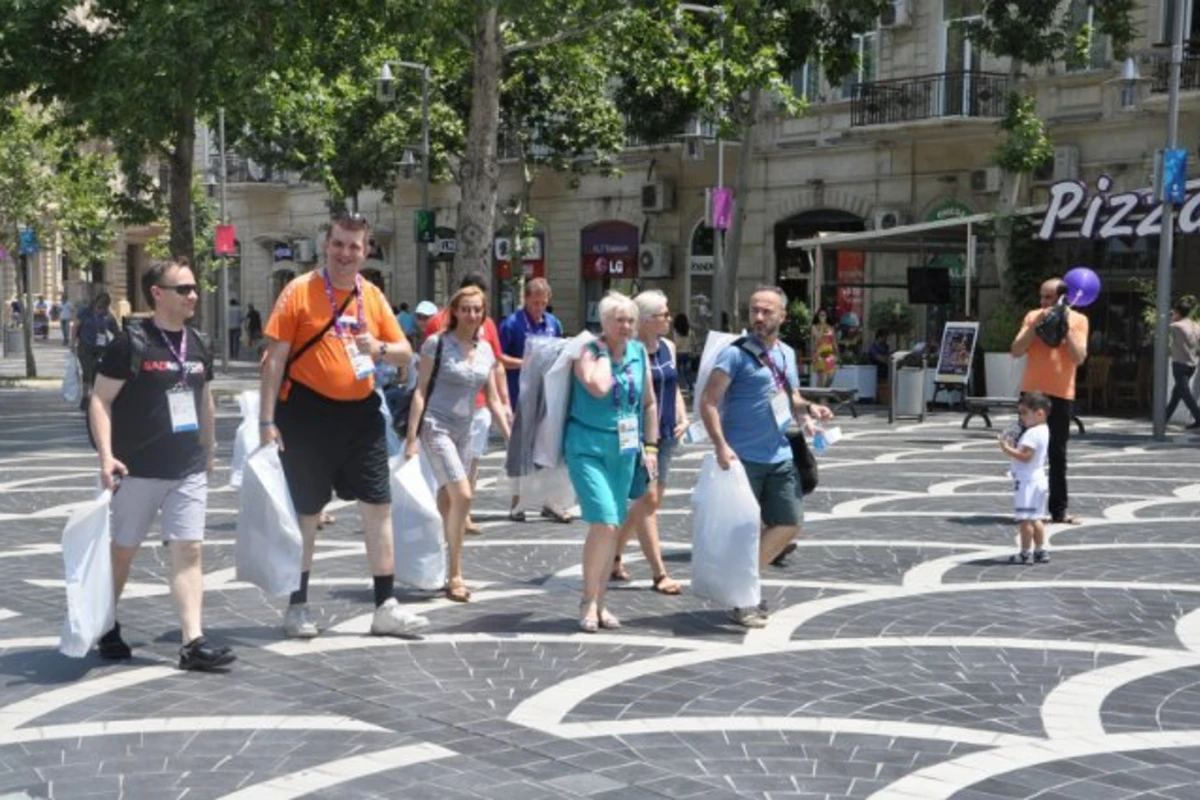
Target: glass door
(961,61)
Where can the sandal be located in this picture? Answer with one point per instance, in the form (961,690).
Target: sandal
(549,512)
(663,584)
(457,591)
(587,623)
(516,514)
(326,519)
(472,529)
(607,620)
(619,573)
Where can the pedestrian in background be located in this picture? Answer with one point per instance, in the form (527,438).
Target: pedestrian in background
(1185,354)
(654,320)
(233,323)
(95,329)
(611,424)
(66,317)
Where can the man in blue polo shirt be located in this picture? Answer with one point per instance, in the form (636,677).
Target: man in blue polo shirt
(747,405)
(532,319)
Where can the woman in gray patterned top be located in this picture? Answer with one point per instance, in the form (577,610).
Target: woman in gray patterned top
(442,408)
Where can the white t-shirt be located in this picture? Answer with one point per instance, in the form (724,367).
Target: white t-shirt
(1038,438)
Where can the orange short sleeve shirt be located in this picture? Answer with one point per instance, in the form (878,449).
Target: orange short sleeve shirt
(1050,369)
(303,309)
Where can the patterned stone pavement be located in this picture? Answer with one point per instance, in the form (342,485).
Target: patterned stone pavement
(905,657)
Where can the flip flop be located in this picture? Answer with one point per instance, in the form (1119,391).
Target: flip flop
(516,515)
(458,592)
(663,584)
(556,515)
(472,529)
(619,573)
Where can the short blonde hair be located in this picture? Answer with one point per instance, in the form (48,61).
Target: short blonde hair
(614,302)
(650,303)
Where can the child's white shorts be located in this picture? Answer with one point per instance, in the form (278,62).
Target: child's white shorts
(1029,498)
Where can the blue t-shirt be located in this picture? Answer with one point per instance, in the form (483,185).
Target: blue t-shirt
(513,331)
(408,323)
(746,415)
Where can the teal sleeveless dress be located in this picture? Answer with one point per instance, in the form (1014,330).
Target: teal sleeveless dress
(601,474)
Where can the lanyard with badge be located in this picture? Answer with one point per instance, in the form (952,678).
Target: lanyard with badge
(628,429)
(181,402)
(362,364)
(781,401)
(102,330)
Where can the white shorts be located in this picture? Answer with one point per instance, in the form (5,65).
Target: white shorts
(137,502)
(1030,498)
(481,426)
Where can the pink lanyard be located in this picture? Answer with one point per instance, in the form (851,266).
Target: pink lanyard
(337,323)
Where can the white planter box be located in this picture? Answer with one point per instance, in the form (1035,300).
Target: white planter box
(1003,374)
(859,377)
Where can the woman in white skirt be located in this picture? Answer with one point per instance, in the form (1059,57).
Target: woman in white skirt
(455,365)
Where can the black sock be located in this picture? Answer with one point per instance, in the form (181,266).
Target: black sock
(300,595)
(384,584)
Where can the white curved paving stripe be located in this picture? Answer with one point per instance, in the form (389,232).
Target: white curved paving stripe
(903,657)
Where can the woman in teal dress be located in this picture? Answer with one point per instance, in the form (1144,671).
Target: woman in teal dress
(612,417)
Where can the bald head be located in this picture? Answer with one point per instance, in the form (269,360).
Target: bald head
(1051,290)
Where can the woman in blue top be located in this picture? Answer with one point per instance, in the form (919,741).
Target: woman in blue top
(613,420)
(653,323)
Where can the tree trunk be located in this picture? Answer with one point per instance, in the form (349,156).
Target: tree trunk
(183,236)
(1006,204)
(26,296)
(480,171)
(733,245)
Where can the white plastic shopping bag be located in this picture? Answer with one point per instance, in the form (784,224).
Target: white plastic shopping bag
(725,536)
(395,446)
(72,382)
(548,441)
(714,343)
(245,441)
(269,546)
(87,564)
(416,524)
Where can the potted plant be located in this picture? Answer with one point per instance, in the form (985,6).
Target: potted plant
(893,315)
(1002,372)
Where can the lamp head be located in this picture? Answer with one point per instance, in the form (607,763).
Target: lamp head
(407,164)
(385,85)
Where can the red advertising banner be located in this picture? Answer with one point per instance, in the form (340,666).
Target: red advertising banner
(226,243)
(851,274)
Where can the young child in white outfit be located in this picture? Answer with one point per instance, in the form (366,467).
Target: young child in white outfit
(1031,487)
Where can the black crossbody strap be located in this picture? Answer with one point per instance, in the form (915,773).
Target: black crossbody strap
(294,356)
(752,349)
(437,365)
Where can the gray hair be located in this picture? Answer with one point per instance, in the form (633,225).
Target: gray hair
(765,288)
(614,302)
(650,303)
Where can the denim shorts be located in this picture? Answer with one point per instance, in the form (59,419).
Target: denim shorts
(777,489)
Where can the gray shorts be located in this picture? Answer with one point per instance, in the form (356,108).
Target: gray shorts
(137,501)
(449,451)
(777,489)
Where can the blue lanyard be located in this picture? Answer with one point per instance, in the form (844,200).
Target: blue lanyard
(337,323)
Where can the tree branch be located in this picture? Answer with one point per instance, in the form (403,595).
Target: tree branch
(563,35)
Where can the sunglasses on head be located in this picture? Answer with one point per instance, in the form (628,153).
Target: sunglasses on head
(181,289)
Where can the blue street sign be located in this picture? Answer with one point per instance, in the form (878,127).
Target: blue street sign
(29,242)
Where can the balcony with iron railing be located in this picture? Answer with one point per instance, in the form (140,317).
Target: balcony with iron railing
(1160,72)
(938,96)
(239,169)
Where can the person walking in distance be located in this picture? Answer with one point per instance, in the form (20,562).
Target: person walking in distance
(95,329)
(328,329)
(747,405)
(153,421)
(1051,371)
(234,325)
(532,319)
(66,315)
(1185,354)
(455,365)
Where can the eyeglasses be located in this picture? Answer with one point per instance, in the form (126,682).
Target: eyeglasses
(181,289)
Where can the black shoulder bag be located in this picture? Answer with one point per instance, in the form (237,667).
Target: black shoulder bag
(294,356)
(802,456)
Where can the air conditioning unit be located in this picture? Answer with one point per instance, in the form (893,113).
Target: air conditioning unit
(985,181)
(888,218)
(1066,162)
(898,14)
(306,251)
(654,260)
(658,197)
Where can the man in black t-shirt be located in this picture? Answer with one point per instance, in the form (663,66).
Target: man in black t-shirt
(153,420)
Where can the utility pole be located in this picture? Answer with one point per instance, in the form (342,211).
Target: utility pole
(1166,240)
(223,311)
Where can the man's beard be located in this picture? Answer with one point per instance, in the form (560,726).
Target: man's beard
(767,330)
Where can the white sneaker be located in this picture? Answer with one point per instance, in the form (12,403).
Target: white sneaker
(298,622)
(392,620)
(747,617)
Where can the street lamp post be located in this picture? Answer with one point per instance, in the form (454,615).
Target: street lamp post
(223,310)
(720,301)
(1166,241)
(387,92)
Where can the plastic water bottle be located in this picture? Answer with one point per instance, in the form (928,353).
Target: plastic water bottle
(696,434)
(819,443)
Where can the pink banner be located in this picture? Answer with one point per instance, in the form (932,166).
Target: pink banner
(722,210)
(226,244)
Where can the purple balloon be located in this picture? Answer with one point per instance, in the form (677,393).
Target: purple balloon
(1083,286)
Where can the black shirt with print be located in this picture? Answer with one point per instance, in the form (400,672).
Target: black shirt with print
(142,435)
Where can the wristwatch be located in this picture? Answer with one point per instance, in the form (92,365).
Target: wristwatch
(383,348)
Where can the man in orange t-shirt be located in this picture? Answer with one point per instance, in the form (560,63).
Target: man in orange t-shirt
(1051,370)
(481,425)
(327,331)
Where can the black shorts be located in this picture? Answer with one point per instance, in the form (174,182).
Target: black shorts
(332,446)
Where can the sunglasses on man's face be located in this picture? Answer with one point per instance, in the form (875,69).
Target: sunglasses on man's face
(181,289)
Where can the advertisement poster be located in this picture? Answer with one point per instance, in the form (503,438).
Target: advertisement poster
(956,352)
(851,273)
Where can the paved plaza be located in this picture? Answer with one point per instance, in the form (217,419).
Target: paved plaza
(905,658)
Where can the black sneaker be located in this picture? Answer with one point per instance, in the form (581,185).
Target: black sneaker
(199,655)
(1019,558)
(112,646)
(781,559)
(1041,557)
